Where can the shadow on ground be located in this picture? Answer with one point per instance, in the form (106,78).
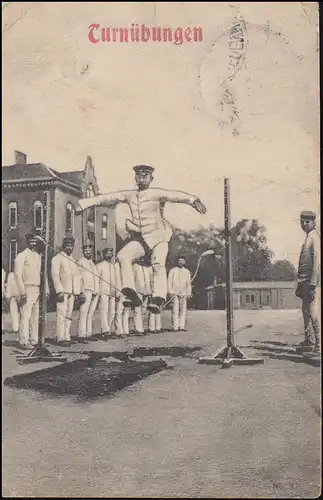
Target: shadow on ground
(271,342)
(268,349)
(87,379)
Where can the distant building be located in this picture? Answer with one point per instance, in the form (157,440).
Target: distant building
(255,295)
(24,208)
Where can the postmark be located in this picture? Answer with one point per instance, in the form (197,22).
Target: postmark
(230,46)
(246,72)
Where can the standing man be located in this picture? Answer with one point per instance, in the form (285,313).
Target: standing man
(12,296)
(122,318)
(309,285)
(110,290)
(28,279)
(154,320)
(180,289)
(90,289)
(3,295)
(67,285)
(150,231)
(142,278)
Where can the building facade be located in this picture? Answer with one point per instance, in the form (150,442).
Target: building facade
(255,295)
(25,189)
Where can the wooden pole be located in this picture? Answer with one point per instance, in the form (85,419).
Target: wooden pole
(228,264)
(43,280)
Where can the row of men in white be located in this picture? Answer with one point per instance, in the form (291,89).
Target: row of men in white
(90,283)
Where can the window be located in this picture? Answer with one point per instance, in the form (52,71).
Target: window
(104,227)
(69,218)
(91,237)
(13,215)
(13,250)
(252,299)
(38,215)
(248,298)
(90,211)
(89,191)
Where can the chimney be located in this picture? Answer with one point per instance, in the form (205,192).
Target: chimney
(20,158)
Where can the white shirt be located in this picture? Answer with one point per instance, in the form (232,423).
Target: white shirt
(146,208)
(109,278)
(179,281)
(27,269)
(65,274)
(89,275)
(12,289)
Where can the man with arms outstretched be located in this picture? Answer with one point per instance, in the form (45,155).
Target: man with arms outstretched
(150,231)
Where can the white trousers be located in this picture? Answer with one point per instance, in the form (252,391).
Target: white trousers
(139,312)
(107,312)
(137,319)
(154,322)
(122,318)
(29,316)
(64,311)
(87,310)
(179,312)
(134,250)
(14,312)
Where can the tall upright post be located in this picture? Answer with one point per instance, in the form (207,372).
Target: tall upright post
(230,354)
(43,274)
(228,264)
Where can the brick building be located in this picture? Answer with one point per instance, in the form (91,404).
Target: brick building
(24,208)
(255,295)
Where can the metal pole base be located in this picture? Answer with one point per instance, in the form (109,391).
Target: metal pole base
(230,355)
(312,358)
(303,349)
(39,354)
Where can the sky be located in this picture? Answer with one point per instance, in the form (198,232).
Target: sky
(65,98)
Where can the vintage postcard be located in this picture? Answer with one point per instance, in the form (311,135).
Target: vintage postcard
(161,280)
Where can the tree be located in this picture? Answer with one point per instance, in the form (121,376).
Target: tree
(250,254)
(192,244)
(282,270)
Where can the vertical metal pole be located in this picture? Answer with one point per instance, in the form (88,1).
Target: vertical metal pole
(43,276)
(228,263)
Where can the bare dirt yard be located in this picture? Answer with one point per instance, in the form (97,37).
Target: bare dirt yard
(192,431)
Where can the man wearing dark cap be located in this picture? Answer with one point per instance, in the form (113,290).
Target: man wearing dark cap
(149,230)
(67,282)
(27,273)
(180,289)
(89,290)
(309,285)
(110,290)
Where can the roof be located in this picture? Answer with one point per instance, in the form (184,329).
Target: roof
(39,171)
(252,285)
(26,172)
(76,177)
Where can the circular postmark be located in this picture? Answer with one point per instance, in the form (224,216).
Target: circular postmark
(248,70)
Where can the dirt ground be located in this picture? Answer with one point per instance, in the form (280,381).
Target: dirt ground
(193,431)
